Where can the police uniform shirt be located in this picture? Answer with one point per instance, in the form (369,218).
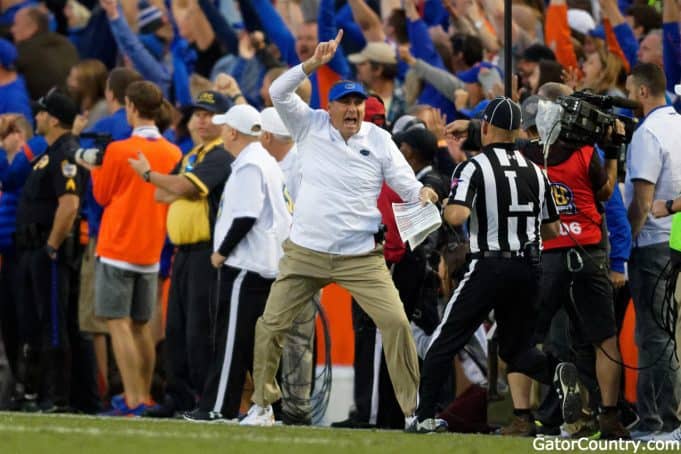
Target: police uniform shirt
(53,175)
(207,167)
(336,209)
(255,189)
(508,195)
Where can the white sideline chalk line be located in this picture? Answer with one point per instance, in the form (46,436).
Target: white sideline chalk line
(94,431)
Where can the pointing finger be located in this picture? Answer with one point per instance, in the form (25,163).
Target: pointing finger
(339,36)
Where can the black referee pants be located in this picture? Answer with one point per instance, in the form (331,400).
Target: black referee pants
(510,287)
(242,299)
(188,343)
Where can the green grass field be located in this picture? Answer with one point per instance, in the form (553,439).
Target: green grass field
(55,434)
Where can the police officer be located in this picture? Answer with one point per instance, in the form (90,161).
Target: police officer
(47,211)
(193,191)
(509,202)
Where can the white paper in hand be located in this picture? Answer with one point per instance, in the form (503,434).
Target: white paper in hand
(416,221)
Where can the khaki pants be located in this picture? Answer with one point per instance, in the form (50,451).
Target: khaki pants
(303,272)
(297,363)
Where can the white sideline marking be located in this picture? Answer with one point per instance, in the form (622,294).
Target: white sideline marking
(94,431)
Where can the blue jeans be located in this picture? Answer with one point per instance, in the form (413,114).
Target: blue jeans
(659,387)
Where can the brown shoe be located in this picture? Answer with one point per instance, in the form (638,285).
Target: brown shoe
(520,427)
(584,427)
(612,428)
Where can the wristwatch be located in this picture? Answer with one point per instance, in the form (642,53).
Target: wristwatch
(147,175)
(668,204)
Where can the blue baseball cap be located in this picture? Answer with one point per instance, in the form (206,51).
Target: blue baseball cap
(346,87)
(8,53)
(470,76)
(598,32)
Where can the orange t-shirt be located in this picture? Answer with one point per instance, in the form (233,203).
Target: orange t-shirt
(133,225)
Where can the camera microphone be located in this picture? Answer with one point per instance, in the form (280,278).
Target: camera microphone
(625,103)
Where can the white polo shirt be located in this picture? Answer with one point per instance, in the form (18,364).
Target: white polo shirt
(290,166)
(255,189)
(336,208)
(655,156)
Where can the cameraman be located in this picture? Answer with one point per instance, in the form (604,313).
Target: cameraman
(575,265)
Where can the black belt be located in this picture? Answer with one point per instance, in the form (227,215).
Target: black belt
(194,246)
(495,255)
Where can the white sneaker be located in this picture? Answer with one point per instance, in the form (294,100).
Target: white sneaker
(674,435)
(430,425)
(259,416)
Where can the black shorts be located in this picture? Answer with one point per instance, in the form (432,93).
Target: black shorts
(592,314)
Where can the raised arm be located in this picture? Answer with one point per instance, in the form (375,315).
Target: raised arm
(275,28)
(295,114)
(223,31)
(557,34)
(327,30)
(368,20)
(130,45)
(442,80)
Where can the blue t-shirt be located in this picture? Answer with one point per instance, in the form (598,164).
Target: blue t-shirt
(14,99)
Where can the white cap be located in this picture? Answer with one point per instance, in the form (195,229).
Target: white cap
(376,51)
(580,20)
(677,89)
(271,122)
(242,117)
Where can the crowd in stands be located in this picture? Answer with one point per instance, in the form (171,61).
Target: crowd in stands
(136,70)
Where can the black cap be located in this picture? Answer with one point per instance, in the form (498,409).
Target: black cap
(537,53)
(59,105)
(421,140)
(212,101)
(502,113)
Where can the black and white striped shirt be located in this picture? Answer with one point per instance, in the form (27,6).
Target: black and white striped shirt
(508,195)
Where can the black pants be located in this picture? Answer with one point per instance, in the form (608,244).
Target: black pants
(374,395)
(45,351)
(9,307)
(569,329)
(510,287)
(242,299)
(188,343)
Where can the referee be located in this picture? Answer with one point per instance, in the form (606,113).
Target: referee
(509,202)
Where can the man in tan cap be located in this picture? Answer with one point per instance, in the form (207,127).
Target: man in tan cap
(377,69)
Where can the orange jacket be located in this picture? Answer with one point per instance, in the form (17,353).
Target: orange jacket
(133,224)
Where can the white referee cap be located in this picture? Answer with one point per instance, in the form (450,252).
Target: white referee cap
(677,89)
